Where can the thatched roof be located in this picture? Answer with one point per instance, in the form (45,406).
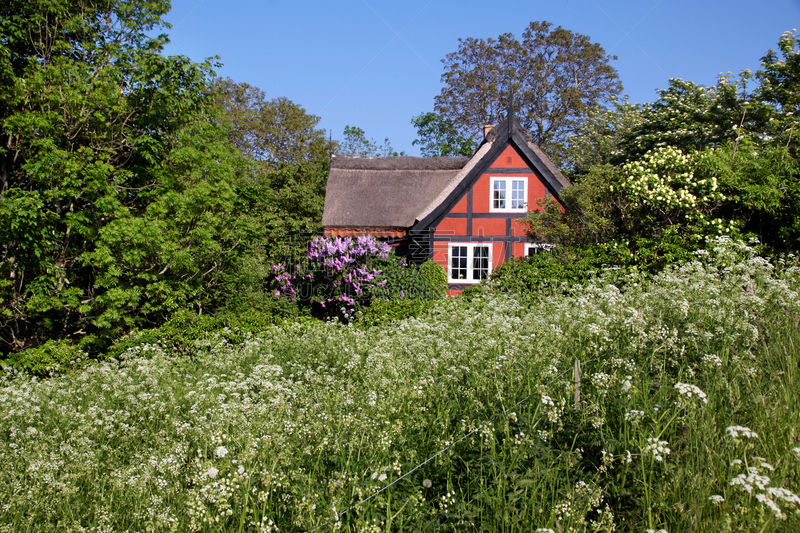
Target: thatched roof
(384,192)
(391,194)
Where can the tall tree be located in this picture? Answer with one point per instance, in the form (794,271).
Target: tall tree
(114,181)
(555,75)
(276,131)
(439,137)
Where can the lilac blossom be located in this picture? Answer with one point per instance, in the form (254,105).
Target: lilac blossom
(338,273)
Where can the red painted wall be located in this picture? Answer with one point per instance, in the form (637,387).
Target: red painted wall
(451,226)
(461,206)
(488,226)
(509,159)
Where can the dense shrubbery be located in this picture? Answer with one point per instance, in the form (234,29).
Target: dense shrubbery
(688,417)
(565,266)
(697,162)
(116,218)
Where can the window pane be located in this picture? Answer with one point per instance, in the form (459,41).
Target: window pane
(518,194)
(480,262)
(458,262)
(499,194)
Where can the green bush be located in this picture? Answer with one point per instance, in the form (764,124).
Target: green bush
(567,266)
(381,312)
(51,358)
(185,330)
(434,278)
(408,282)
(562,268)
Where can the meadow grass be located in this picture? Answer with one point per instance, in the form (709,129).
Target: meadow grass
(685,418)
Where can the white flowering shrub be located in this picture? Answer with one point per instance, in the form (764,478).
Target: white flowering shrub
(664,186)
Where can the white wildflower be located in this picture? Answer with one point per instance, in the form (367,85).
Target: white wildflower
(212,472)
(716,499)
(634,416)
(734,432)
(686,389)
(221,451)
(747,482)
(658,448)
(763,498)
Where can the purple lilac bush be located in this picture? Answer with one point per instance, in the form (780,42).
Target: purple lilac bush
(338,276)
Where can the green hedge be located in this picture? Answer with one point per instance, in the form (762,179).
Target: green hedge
(180,334)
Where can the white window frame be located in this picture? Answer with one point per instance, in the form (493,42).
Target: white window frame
(508,185)
(539,247)
(470,259)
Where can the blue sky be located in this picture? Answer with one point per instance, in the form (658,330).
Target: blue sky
(376,64)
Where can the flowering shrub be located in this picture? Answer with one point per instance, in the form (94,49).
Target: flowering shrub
(663,185)
(338,276)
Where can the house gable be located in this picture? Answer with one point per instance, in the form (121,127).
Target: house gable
(506,141)
(475,227)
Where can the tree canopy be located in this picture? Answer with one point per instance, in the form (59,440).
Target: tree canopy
(122,199)
(556,76)
(439,137)
(275,132)
(355,142)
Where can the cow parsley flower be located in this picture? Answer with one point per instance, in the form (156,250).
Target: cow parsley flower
(716,499)
(763,498)
(688,390)
(634,416)
(735,431)
(658,448)
(212,472)
(221,451)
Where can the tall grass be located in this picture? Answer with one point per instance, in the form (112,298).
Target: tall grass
(687,420)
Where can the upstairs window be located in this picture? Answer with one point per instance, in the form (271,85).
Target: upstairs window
(469,263)
(509,195)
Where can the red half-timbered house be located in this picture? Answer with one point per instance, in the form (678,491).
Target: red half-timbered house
(460,212)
